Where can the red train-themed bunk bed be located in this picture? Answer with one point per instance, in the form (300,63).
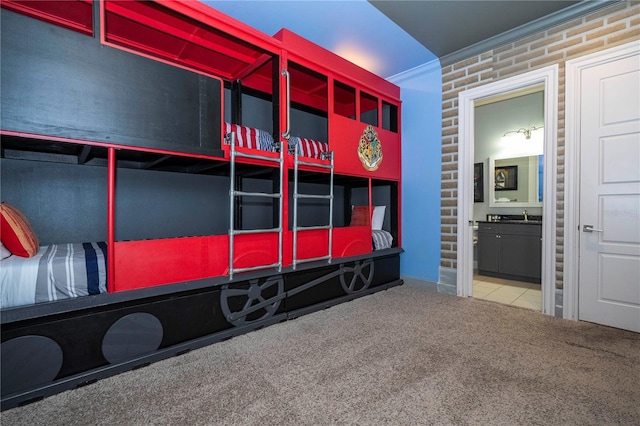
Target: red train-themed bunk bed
(171,177)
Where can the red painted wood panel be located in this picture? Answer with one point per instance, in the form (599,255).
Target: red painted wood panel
(75,15)
(344,139)
(347,241)
(313,243)
(148,263)
(255,249)
(185,33)
(351,241)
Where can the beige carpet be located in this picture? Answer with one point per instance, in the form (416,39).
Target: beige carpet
(404,356)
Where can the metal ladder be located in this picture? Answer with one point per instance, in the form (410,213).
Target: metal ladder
(296,196)
(230,138)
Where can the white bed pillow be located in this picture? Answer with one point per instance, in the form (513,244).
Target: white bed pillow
(378,217)
(4,252)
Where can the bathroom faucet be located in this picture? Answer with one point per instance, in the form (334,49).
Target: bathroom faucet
(526,215)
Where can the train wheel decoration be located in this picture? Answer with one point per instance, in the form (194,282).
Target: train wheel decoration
(259,301)
(357,278)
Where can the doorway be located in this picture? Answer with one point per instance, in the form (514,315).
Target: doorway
(508,197)
(546,79)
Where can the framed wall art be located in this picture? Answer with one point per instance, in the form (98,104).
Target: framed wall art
(478,182)
(506,178)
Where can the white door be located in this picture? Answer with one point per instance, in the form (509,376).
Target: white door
(609,275)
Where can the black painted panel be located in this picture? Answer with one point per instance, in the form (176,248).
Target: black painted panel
(60,83)
(152,204)
(29,361)
(387,269)
(131,336)
(65,203)
(179,318)
(328,287)
(80,335)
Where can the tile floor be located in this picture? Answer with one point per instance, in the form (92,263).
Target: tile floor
(516,293)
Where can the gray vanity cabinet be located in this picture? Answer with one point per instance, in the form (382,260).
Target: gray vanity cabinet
(510,250)
(488,248)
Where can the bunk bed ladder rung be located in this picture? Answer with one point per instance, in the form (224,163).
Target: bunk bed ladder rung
(255,268)
(311,228)
(253,231)
(314,259)
(296,196)
(256,156)
(321,197)
(254,194)
(230,139)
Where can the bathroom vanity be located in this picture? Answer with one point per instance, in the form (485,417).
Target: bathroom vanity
(510,249)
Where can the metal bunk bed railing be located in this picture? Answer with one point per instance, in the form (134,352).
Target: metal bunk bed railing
(233,193)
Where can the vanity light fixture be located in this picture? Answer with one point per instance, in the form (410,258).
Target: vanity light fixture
(526,132)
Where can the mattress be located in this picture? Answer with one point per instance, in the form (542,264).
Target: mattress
(56,272)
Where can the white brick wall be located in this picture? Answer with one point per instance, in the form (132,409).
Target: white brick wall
(608,27)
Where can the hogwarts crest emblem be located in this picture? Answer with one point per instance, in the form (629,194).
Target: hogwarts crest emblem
(370,149)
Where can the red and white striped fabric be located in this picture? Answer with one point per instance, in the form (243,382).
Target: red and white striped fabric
(309,147)
(249,137)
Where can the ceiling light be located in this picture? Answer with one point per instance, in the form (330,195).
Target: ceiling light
(526,132)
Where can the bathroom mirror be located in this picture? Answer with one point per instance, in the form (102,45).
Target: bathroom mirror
(515,182)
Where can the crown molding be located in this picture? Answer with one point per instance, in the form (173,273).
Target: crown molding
(541,24)
(415,72)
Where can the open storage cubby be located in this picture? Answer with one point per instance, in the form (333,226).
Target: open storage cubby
(315,212)
(64,84)
(385,193)
(60,187)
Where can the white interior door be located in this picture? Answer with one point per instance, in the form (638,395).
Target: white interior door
(609,272)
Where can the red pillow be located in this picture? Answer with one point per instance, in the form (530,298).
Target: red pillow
(360,216)
(16,233)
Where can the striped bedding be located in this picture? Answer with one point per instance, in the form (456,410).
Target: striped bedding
(307,147)
(249,137)
(381,239)
(56,272)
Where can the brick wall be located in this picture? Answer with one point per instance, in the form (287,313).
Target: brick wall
(612,26)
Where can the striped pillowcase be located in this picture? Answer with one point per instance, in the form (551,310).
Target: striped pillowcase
(249,137)
(308,147)
(17,235)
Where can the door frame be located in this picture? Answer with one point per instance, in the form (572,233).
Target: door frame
(573,82)
(547,77)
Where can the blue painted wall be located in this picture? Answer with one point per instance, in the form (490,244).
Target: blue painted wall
(421,94)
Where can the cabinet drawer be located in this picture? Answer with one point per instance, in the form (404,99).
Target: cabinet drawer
(492,228)
(517,229)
